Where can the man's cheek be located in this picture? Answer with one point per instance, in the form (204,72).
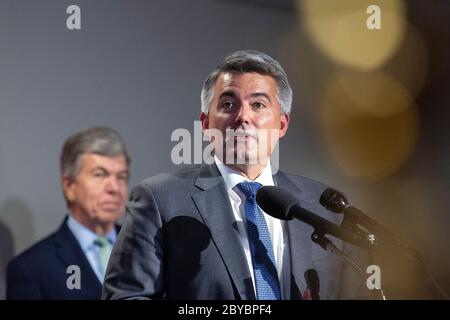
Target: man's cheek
(95,204)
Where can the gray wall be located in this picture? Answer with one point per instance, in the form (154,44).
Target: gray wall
(138,66)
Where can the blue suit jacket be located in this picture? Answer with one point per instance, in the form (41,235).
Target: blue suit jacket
(180,241)
(40,271)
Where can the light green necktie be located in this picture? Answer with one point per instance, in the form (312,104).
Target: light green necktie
(105,249)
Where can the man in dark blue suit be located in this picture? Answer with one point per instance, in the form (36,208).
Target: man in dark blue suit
(70,263)
(199,234)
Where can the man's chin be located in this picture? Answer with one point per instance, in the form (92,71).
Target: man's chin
(109,217)
(242,158)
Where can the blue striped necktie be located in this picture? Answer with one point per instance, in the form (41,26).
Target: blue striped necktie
(266,278)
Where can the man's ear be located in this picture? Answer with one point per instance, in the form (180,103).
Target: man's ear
(205,121)
(284,124)
(68,185)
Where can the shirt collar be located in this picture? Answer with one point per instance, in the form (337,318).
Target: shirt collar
(85,236)
(233,177)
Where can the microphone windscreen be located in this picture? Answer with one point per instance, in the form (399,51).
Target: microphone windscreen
(276,202)
(333,200)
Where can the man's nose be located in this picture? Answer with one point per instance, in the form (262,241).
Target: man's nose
(245,113)
(112,185)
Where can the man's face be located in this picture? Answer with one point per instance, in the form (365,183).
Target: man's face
(97,195)
(247,104)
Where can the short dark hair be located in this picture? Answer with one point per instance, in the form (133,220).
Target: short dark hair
(244,61)
(103,141)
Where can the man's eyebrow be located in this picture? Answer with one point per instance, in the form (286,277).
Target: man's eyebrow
(260,94)
(232,94)
(228,93)
(125,171)
(99,167)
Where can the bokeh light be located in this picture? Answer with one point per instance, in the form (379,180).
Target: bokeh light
(370,123)
(340,30)
(409,64)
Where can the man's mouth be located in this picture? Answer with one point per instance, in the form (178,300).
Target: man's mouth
(241,134)
(111,205)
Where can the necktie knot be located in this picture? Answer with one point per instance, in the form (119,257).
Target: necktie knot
(249,188)
(102,242)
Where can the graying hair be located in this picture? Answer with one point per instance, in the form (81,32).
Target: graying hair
(244,61)
(103,141)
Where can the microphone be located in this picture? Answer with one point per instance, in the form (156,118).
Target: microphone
(337,202)
(312,284)
(281,204)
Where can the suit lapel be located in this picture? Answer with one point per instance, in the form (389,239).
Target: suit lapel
(215,209)
(299,235)
(70,252)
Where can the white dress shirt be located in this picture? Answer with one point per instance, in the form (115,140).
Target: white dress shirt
(277,228)
(86,238)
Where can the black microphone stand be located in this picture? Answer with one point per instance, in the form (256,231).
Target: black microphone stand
(326,244)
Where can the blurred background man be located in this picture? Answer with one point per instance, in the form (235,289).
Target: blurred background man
(70,263)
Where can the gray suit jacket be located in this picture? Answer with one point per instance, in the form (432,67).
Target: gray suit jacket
(180,241)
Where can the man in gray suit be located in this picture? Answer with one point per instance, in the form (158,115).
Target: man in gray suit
(199,234)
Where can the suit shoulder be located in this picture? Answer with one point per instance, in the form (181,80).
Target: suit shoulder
(34,254)
(305,183)
(183,174)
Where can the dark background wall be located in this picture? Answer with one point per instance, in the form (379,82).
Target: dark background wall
(138,66)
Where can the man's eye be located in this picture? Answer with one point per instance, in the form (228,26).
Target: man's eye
(228,105)
(259,105)
(99,174)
